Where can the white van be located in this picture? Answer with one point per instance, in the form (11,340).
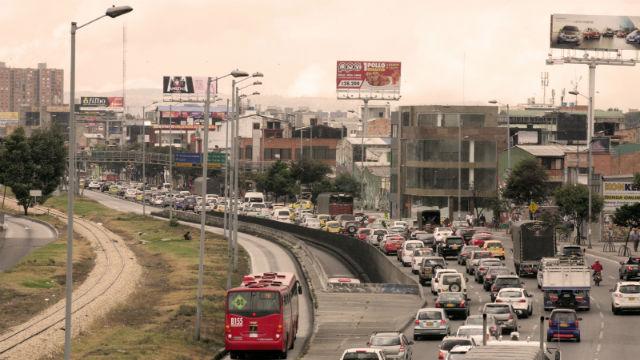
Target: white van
(253,197)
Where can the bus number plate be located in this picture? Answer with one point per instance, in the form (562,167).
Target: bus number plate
(236,322)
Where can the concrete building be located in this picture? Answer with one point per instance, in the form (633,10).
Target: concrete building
(425,158)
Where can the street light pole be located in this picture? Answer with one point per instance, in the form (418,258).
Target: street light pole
(592,87)
(365,117)
(112,12)
(459,166)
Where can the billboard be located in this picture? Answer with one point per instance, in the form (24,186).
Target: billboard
(595,32)
(368,75)
(178,84)
(9,115)
(527,137)
(571,127)
(618,193)
(102,103)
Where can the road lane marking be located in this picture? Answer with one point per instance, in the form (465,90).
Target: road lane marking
(602,325)
(612,277)
(598,348)
(601,335)
(598,305)
(601,315)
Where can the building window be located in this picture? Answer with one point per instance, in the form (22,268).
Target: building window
(484,151)
(394,130)
(248,152)
(485,179)
(472,120)
(256,126)
(406,118)
(428,120)
(436,150)
(450,120)
(436,178)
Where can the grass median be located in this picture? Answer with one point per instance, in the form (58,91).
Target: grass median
(158,320)
(38,280)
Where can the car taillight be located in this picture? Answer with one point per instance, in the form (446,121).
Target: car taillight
(494,288)
(443,322)
(227,328)
(550,323)
(481,269)
(437,304)
(441,355)
(510,316)
(401,348)
(498,300)
(522,301)
(487,277)
(279,328)
(462,303)
(617,295)
(629,268)
(417,322)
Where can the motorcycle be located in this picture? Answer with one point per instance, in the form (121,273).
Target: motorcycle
(597,277)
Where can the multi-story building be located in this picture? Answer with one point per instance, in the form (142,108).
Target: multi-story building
(431,145)
(30,91)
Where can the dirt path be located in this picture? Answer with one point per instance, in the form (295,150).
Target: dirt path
(113,278)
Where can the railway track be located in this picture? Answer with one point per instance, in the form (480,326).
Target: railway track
(44,333)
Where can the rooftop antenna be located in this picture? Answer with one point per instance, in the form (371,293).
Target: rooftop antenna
(575,84)
(544,81)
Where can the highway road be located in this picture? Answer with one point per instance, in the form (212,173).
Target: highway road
(20,238)
(604,335)
(265,256)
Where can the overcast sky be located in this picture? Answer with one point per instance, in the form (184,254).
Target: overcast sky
(499,45)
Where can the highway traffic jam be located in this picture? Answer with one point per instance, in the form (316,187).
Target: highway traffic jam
(489,294)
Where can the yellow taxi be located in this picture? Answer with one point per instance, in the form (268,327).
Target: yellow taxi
(332,227)
(113,189)
(323,219)
(140,196)
(306,204)
(495,247)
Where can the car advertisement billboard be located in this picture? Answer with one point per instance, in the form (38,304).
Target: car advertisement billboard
(178,84)
(595,32)
(368,75)
(571,127)
(101,103)
(618,193)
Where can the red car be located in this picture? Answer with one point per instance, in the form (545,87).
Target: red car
(479,238)
(363,233)
(591,33)
(392,244)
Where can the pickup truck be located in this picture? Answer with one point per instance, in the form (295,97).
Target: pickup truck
(630,269)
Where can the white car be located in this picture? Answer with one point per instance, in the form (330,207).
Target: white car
(198,207)
(282,215)
(452,282)
(130,194)
(404,224)
(436,278)
(311,223)
(94,185)
(625,296)
(473,331)
(519,300)
(157,201)
(441,233)
(377,236)
(363,353)
(257,209)
(416,258)
(406,251)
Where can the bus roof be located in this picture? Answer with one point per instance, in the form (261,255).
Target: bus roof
(267,281)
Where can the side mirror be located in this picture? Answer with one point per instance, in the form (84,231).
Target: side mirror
(579,319)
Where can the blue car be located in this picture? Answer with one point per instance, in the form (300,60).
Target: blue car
(564,324)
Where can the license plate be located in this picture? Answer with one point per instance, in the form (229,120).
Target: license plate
(449,305)
(632,299)
(564,325)
(432,323)
(253,335)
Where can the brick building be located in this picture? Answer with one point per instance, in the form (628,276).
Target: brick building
(28,89)
(287,149)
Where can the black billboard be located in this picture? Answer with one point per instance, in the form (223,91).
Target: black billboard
(571,126)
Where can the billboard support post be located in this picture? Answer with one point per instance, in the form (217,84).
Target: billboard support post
(592,63)
(363,153)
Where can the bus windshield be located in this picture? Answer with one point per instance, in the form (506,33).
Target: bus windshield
(253,303)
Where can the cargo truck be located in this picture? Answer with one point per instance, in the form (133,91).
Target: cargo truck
(532,240)
(566,284)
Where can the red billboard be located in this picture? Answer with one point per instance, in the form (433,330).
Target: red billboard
(368,75)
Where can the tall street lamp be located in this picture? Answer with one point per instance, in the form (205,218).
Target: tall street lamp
(144,160)
(508,134)
(589,157)
(231,180)
(111,12)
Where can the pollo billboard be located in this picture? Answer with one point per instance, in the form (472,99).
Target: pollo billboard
(595,32)
(368,75)
(102,103)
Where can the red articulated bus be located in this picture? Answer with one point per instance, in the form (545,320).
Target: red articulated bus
(262,314)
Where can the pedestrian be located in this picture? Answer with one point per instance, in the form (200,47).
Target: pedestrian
(483,220)
(635,237)
(187,235)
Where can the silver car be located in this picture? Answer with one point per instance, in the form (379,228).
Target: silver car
(393,344)
(504,314)
(429,322)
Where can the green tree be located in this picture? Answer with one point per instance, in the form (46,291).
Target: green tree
(527,182)
(345,182)
(627,216)
(277,180)
(309,171)
(573,201)
(33,163)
